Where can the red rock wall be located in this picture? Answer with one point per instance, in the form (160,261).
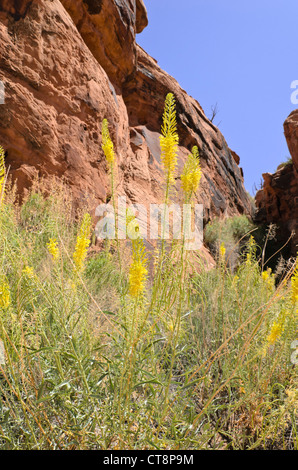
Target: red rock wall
(277,202)
(69,64)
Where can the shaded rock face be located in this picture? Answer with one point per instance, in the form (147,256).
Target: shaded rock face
(69,64)
(277,202)
(291,134)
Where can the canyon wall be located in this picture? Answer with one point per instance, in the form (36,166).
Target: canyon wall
(277,201)
(69,64)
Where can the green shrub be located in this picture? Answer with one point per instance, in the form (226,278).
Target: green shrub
(232,233)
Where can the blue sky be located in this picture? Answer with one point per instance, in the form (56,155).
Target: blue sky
(239,54)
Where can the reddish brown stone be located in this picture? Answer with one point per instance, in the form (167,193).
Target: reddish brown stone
(235,156)
(66,66)
(277,202)
(291,134)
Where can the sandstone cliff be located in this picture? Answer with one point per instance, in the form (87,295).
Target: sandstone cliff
(277,202)
(69,64)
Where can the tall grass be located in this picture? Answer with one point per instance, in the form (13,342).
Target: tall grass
(97,356)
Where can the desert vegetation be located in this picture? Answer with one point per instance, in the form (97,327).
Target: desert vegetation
(99,354)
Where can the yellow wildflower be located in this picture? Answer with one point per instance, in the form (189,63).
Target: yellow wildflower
(71,285)
(4,295)
(107,144)
(137,278)
(250,256)
(275,333)
(29,272)
(138,270)
(80,252)
(222,251)
(268,278)
(192,173)
(83,242)
(294,283)
(53,248)
(169,139)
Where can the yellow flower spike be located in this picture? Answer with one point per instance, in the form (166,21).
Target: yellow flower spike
(294,284)
(138,269)
(85,228)
(83,242)
(29,272)
(107,144)
(4,295)
(53,248)
(268,278)
(137,278)
(169,139)
(275,332)
(192,173)
(251,250)
(222,251)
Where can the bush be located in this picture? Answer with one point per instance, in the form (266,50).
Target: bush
(232,233)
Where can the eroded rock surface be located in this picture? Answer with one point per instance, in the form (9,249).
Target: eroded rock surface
(277,202)
(69,64)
